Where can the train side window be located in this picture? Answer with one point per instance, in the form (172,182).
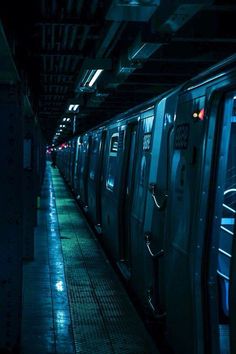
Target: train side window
(112,162)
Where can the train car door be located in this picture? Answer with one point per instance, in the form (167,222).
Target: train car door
(182,261)
(94,177)
(75,173)
(99,179)
(222,236)
(130,158)
(84,164)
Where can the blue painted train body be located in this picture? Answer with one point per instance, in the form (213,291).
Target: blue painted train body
(159,184)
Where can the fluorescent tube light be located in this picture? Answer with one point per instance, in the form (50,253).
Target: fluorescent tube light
(90,77)
(73,107)
(95,77)
(142,51)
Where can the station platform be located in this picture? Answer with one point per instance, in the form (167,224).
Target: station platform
(73,301)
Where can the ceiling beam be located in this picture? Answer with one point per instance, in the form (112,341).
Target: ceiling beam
(183,60)
(165,74)
(221,8)
(55,53)
(204,40)
(67,21)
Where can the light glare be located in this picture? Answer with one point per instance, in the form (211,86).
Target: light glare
(95,77)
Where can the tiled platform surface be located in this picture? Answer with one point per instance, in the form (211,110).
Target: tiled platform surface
(46,322)
(102,317)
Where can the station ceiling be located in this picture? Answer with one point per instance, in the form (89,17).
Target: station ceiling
(141,47)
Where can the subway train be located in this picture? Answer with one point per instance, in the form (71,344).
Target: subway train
(158,183)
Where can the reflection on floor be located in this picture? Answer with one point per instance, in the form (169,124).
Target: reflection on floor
(103,319)
(46,324)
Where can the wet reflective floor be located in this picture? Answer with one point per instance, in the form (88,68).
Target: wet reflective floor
(73,300)
(46,322)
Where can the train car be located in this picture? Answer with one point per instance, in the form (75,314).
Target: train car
(159,182)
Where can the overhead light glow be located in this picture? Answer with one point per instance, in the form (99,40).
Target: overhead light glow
(68,119)
(95,77)
(73,107)
(64,119)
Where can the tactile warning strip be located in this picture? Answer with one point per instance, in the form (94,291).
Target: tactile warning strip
(103,318)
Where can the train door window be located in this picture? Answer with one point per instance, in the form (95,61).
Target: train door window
(83,154)
(93,158)
(112,162)
(128,195)
(225,211)
(131,160)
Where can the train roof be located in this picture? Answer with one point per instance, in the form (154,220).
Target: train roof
(213,73)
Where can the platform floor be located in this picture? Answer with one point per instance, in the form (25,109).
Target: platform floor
(73,301)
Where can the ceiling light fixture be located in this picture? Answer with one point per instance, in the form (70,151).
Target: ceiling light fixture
(91,76)
(73,107)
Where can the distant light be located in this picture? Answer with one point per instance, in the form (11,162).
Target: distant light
(95,77)
(60,130)
(64,119)
(68,119)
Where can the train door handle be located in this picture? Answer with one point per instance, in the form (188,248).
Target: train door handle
(159,196)
(155,311)
(147,237)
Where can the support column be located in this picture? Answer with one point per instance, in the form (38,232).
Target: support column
(29,186)
(11,216)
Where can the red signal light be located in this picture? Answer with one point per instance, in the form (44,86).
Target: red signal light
(199,115)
